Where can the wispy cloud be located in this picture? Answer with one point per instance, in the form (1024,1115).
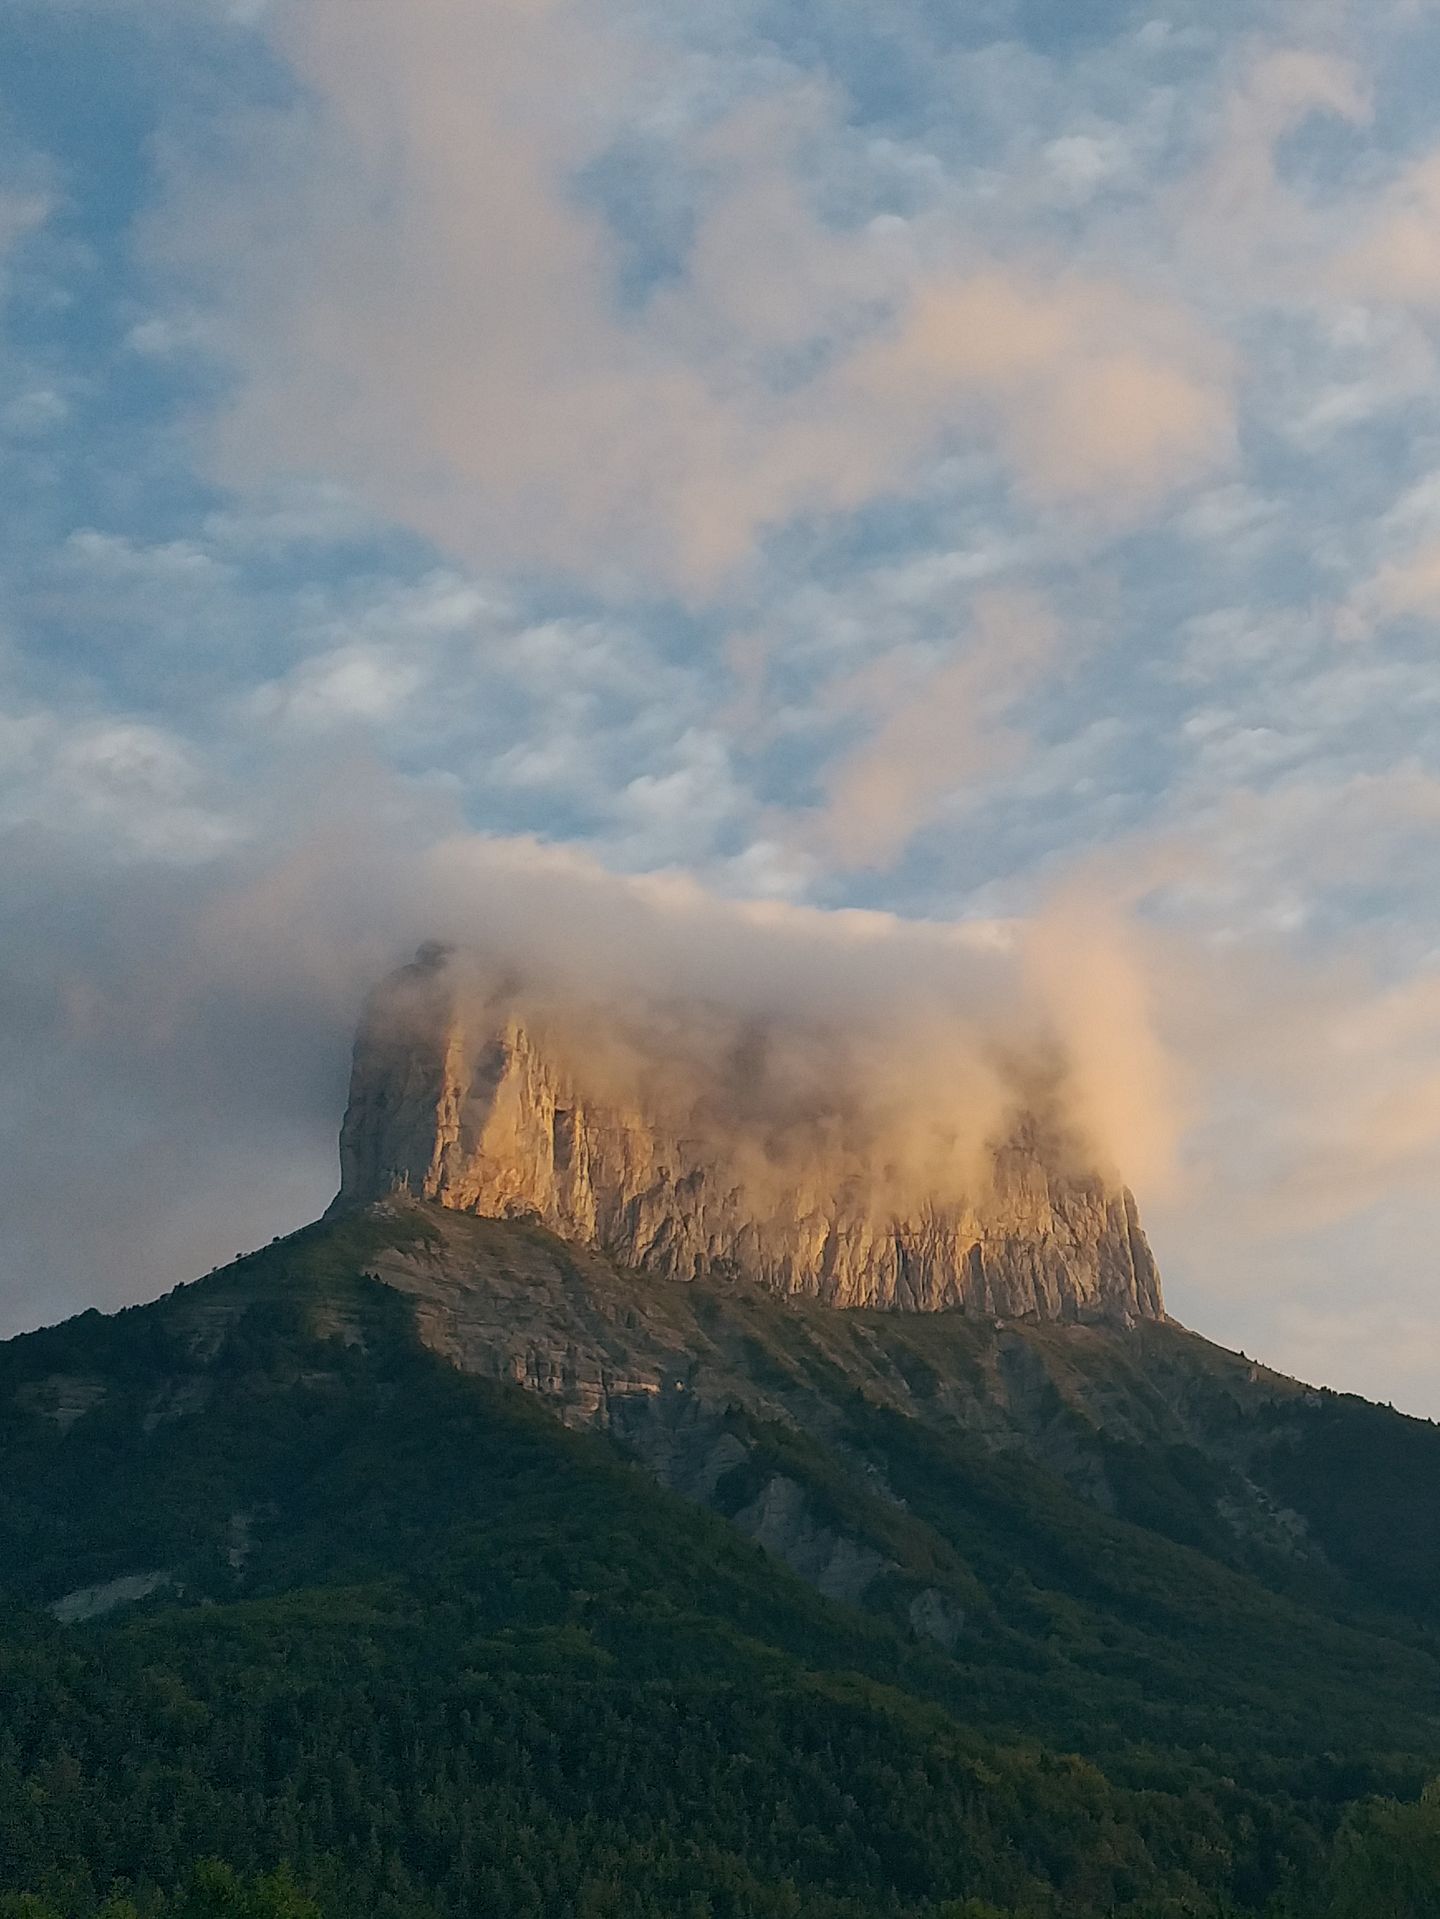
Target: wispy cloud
(935,730)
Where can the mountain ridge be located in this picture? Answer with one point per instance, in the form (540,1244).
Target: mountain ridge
(329,1511)
(684,1375)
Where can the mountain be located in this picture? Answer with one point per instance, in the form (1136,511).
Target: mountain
(426,1563)
(689,1173)
(721,1387)
(302,1566)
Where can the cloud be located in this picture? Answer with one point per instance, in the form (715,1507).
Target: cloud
(937,731)
(132,787)
(177,1037)
(422,307)
(23,210)
(1308,1049)
(1093,392)
(348,685)
(1398,260)
(1101,977)
(1238,210)
(374,661)
(1408,586)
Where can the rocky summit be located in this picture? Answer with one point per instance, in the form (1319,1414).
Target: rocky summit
(454,1099)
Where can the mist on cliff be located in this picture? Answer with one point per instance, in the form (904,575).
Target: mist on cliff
(793,1047)
(177,1040)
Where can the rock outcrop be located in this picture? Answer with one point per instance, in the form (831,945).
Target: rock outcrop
(457,1102)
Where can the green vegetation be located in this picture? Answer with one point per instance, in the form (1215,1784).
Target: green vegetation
(212,1891)
(414,1651)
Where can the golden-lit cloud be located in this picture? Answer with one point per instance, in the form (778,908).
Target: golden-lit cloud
(420,304)
(1398,257)
(934,731)
(1406,586)
(1090,390)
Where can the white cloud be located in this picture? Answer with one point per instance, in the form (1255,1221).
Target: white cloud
(23,210)
(1084,162)
(126,785)
(35,413)
(110,558)
(337,689)
(166,336)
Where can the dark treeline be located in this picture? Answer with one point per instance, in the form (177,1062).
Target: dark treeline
(400,1767)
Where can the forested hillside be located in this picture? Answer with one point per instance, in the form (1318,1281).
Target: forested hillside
(397,1636)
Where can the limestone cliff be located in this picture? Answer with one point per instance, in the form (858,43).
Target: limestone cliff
(459,1103)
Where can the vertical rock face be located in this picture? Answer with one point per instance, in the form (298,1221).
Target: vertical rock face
(461,1105)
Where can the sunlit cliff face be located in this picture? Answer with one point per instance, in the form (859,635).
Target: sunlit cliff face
(888,1160)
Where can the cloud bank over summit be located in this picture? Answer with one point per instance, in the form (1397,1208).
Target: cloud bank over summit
(902,1053)
(187,1070)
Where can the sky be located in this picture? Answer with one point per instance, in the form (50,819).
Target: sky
(906,473)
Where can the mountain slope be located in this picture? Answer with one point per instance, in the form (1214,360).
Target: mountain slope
(392,1620)
(1150,1423)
